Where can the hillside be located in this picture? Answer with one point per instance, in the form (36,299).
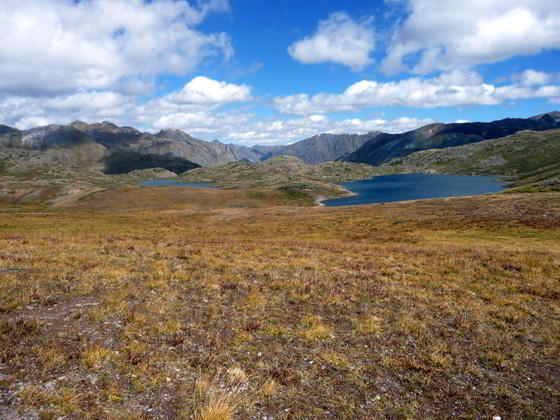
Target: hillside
(286,173)
(527,157)
(64,141)
(433,309)
(280,169)
(34,177)
(385,147)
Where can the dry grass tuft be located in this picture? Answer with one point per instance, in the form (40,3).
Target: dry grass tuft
(220,407)
(95,357)
(269,388)
(368,325)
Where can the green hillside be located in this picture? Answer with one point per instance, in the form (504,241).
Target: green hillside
(525,158)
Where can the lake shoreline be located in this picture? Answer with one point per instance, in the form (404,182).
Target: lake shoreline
(411,187)
(320,199)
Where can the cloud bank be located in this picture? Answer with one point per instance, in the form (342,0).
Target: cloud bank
(450,89)
(59,46)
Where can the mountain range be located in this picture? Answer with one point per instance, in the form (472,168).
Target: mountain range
(124,149)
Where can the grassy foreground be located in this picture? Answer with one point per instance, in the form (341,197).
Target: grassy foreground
(429,309)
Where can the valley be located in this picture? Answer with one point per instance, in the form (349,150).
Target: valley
(54,164)
(250,301)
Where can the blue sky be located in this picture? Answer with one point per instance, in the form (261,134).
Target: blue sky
(267,72)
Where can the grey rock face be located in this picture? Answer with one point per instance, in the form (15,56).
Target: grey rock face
(320,148)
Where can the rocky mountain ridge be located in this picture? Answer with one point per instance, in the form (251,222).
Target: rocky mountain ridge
(121,149)
(384,147)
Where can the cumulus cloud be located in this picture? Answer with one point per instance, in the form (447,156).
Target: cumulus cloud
(447,34)
(204,91)
(449,89)
(338,39)
(59,46)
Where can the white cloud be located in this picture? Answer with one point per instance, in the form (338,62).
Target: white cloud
(449,34)
(188,107)
(203,122)
(535,78)
(450,89)
(292,130)
(204,91)
(338,39)
(28,112)
(58,46)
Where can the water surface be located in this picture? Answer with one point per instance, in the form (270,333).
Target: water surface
(172,183)
(387,188)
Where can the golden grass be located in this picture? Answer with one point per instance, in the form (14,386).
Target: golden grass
(437,309)
(218,408)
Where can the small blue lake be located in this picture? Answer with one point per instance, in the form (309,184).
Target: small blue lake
(387,188)
(172,183)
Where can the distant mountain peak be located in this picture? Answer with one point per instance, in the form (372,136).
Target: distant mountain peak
(553,116)
(173,133)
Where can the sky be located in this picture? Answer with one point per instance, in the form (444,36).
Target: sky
(275,72)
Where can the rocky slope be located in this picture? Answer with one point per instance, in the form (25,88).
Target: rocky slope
(57,142)
(320,148)
(384,147)
(173,143)
(202,152)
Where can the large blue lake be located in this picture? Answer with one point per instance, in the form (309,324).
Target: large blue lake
(383,189)
(172,183)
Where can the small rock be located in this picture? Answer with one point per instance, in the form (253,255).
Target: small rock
(50,386)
